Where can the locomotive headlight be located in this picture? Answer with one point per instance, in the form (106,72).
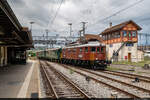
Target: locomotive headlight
(80,56)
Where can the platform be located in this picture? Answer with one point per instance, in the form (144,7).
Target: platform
(19,81)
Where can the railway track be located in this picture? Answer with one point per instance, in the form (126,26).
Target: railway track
(128,94)
(137,90)
(61,86)
(128,75)
(144,92)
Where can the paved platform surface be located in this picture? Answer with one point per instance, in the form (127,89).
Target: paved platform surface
(17,81)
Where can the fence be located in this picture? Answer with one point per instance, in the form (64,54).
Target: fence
(143,41)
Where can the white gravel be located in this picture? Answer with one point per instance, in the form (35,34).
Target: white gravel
(42,87)
(96,89)
(119,85)
(127,80)
(138,70)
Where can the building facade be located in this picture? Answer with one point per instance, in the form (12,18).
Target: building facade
(121,42)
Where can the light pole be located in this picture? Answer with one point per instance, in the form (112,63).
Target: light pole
(47,37)
(31,26)
(70,24)
(83,27)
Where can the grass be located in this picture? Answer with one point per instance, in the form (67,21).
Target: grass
(140,64)
(113,68)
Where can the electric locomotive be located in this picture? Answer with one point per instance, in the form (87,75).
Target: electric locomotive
(90,55)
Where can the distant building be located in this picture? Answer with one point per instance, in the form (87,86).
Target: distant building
(89,37)
(121,42)
(147,53)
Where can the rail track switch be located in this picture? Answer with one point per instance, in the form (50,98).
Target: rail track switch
(137,79)
(87,79)
(114,94)
(71,71)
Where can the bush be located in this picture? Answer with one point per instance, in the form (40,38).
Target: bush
(146,58)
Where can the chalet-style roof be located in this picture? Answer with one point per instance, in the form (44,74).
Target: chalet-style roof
(120,26)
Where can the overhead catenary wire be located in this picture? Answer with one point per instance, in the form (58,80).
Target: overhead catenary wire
(56,14)
(52,11)
(114,14)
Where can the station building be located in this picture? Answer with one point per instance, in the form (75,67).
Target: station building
(14,39)
(121,42)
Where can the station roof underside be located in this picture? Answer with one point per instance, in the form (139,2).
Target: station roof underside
(12,34)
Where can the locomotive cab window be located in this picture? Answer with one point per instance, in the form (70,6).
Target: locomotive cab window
(102,49)
(80,49)
(86,49)
(98,49)
(93,49)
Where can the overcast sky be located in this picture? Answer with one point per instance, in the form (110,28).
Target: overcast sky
(42,12)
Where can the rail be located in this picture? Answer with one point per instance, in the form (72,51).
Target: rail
(101,82)
(62,80)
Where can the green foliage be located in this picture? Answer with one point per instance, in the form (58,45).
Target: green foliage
(32,53)
(138,64)
(146,58)
(71,71)
(112,68)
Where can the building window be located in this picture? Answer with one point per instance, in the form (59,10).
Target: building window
(109,36)
(129,44)
(86,49)
(124,33)
(130,34)
(118,34)
(111,45)
(106,37)
(115,35)
(93,49)
(133,33)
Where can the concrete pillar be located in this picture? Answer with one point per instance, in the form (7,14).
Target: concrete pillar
(2,57)
(5,56)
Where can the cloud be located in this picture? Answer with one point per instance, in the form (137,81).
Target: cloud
(42,12)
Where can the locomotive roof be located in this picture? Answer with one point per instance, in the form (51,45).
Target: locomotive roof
(53,49)
(90,44)
(86,45)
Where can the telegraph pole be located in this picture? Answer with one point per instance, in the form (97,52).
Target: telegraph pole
(83,27)
(31,26)
(70,24)
(80,34)
(47,37)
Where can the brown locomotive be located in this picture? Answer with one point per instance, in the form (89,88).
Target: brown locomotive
(91,55)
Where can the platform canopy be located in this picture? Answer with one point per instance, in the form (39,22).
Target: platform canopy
(12,34)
